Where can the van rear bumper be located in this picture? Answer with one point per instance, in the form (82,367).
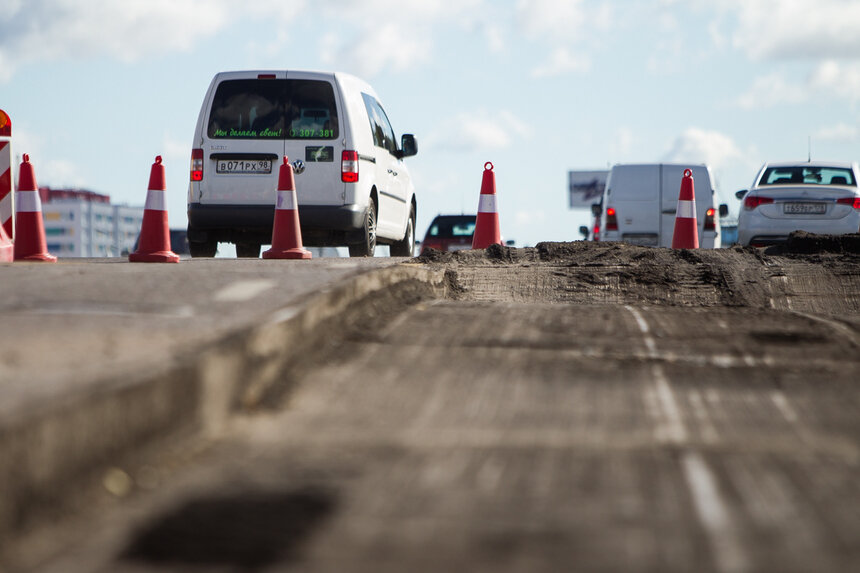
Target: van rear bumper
(322,225)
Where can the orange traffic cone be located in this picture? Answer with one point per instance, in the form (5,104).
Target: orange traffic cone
(286,233)
(7,249)
(30,244)
(686,234)
(487,222)
(154,242)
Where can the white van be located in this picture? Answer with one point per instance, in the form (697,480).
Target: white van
(352,185)
(639,204)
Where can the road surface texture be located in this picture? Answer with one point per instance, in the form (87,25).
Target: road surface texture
(571,407)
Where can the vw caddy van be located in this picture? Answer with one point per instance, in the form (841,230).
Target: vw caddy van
(640,200)
(352,185)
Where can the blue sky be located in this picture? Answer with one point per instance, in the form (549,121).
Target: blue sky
(97,88)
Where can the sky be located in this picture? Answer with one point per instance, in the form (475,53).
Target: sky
(97,88)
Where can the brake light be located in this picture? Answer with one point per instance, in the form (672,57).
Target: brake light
(852,201)
(596,232)
(611,219)
(751,202)
(265,76)
(710,222)
(349,167)
(197,165)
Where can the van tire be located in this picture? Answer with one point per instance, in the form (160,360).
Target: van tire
(406,246)
(367,247)
(248,250)
(202,250)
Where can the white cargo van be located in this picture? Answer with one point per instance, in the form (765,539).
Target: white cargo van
(352,185)
(640,200)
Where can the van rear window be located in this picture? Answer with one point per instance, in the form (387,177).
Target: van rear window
(273,109)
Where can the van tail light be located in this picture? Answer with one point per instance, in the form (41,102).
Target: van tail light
(751,202)
(710,221)
(595,233)
(611,219)
(349,167)
(852,201)
(197,165)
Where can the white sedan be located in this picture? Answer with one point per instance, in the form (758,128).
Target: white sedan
(819,197)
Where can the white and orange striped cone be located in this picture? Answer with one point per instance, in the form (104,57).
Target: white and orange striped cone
(7,249)
(153,246)
(30,243)
(686,234)
(487,230)
(286,232)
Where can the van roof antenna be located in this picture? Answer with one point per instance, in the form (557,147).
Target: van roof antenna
(809,148)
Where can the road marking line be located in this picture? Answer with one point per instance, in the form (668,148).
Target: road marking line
(727,549)
(240,291)
(781,403)
(728,553)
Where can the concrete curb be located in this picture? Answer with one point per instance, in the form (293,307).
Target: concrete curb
(44,454)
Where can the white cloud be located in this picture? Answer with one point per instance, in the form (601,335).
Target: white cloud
(828,80)
(773,89)
(622,143)
(481,130)
(697,145)
(792,29)
(562,61)
(841,133)
(835,79)
(560,20)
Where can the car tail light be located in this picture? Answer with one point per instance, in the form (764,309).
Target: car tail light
(710,222)
(852,201)
(266,76)
(611,219)
(751,202)
(432,244)
(197,165)
(349,167)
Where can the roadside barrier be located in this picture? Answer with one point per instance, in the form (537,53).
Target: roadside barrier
(686,233)
(154,242)
(7,196)
(30,243)
(487,230)
(286,232)
(7,249)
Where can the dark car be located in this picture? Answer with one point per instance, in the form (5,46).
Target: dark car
(449,233)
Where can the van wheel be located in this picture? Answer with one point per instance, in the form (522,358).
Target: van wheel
(367,247)
(248,250)
(204,250)
(406,247)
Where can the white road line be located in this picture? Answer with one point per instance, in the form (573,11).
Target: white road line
(728,552)
(781,403)
(714,516)
(243,290)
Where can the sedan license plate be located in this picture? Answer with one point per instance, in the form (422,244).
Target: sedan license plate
(244,166)
(804,208)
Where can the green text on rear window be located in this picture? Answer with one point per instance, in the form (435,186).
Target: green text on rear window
(273,109)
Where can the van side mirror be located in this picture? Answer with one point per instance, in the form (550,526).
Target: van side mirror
(724,210)
(597,210)
(583,230)
(740,194)
(408,145)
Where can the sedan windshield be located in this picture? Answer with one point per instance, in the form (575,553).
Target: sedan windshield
(807,175)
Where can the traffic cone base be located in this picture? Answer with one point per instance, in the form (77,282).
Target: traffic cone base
(487,231)
(30,244)
(154,242)
(286,230)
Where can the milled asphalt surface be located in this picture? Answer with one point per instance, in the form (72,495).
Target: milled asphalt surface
(575,407)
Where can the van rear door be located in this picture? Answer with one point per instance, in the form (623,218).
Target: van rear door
(315,131)
(243,140)
(635,191)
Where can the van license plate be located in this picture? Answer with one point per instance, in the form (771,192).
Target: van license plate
(243,166)
(804,208)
